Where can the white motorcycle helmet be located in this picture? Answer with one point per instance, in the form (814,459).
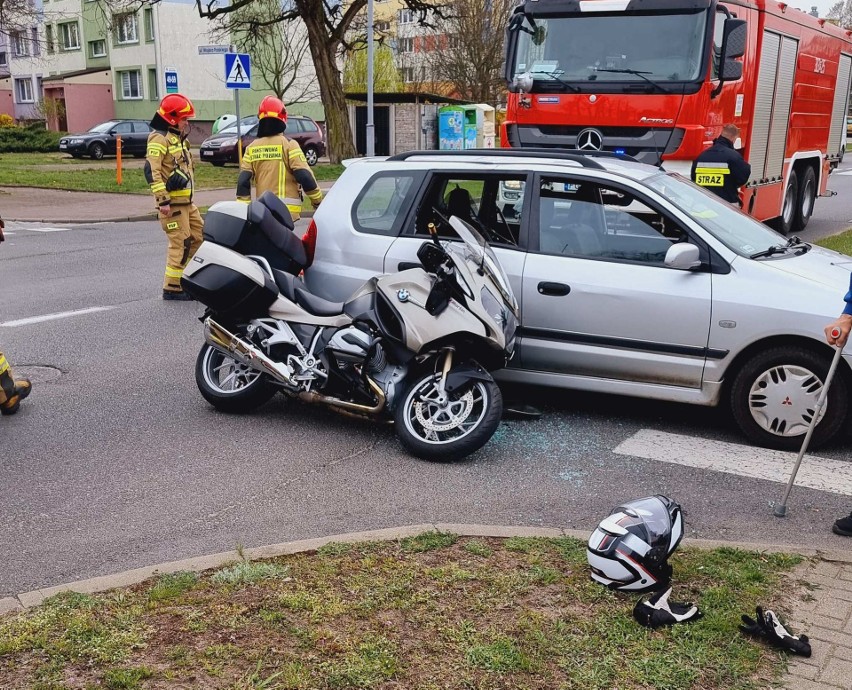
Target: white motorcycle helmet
(630,549)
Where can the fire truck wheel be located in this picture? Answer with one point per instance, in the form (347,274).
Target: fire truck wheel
(790,206)
(807,196)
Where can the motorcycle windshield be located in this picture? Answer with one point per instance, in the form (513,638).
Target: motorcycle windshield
(479,251)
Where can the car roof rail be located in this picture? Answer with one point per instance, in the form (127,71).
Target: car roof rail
(576,157)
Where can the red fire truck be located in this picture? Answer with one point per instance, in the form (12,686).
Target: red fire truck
(657,79)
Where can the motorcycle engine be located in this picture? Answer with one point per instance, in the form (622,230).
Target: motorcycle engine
(357,346)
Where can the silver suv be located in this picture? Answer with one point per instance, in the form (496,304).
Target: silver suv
(631,280)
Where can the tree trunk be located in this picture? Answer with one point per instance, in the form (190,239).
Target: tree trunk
(340,141)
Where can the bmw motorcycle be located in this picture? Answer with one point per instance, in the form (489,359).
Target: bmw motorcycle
(413,347)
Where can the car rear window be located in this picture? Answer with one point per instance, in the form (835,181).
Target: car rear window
(381,206)
(309,126)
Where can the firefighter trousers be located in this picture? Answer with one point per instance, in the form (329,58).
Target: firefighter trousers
(183,228)
(11,391)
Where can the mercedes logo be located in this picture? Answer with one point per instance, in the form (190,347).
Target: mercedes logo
(590,140)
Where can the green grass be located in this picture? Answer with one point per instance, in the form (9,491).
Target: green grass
(58,171)
(430,612)
(840,243)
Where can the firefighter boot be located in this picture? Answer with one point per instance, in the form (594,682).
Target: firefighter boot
(12,392)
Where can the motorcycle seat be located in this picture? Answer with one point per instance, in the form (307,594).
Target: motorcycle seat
(317,305)
(286,283)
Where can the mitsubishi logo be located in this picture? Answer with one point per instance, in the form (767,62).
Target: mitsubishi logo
(590,140)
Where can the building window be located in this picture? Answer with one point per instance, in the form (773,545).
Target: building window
(131,84)
(153,85)
(69,36)
(24,90)
(149,24)
(36,47)
(97,48)
(382,26)
(4,61)
(48,38)
(408,74)
(19,43)
(126,28)
(406,16)
(405,45)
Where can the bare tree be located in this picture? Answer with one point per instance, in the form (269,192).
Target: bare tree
(279,50)
(841,13)
(328,23)
(465,51)
(18,15)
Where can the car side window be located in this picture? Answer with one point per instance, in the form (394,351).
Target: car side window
(308,126)
(123,128)
(294,126)
(585,219)
(381,206)
(141,128)
(492,204)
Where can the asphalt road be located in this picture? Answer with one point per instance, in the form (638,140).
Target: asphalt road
(117,462)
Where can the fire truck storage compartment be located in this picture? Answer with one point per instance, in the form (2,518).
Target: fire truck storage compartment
(772,106)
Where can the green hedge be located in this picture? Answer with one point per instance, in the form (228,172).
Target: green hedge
(30,139)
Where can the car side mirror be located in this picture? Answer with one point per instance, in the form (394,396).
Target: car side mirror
(683,256)
(733,46)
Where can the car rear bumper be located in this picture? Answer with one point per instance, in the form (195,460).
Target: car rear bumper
(218,155)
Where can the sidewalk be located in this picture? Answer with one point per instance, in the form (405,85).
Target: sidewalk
(31,204)
(827,620)
(824,613)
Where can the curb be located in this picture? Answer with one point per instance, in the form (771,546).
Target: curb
(25,600)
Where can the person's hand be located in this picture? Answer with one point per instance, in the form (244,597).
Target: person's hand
(166,210)
(843,324)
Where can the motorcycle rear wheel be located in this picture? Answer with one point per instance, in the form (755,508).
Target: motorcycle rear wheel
(229,385)
(447,430)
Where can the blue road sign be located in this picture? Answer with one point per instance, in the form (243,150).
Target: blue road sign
(171,81)
(237,71)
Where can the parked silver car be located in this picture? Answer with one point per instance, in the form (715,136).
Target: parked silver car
(631,280)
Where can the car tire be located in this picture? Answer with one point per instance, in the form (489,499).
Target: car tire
(773,395)
(139,154)
(97,151)
(218,164)
(806,199)
(311,156)
(486,402)
(246,396)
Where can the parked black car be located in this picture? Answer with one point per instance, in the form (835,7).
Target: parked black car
(99,141)
(221,148)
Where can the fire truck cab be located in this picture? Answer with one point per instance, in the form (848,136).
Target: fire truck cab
(657,80)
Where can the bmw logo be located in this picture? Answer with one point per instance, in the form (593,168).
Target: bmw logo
(403,295)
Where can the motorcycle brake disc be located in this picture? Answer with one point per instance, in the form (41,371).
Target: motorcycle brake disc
(455,420)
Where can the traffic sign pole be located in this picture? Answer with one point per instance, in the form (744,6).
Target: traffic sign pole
(239,133)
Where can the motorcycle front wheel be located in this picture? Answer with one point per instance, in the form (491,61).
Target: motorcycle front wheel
(229,385)
(447,428)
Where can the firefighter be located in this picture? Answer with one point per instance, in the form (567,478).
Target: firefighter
(169,172)
(276,163)
(12,390)
(721,168)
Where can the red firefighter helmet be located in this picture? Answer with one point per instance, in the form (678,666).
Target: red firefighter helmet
(175,107)
(271,106)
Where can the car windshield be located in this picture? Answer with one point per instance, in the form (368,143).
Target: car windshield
(104,127)
(618,47)
(736,230)
(246,124)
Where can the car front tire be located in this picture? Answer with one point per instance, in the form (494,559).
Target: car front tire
(774,394)
(97,151)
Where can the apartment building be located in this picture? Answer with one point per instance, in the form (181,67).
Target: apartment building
(80,66)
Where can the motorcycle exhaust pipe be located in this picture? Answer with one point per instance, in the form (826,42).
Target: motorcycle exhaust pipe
(346,407)
(244,352)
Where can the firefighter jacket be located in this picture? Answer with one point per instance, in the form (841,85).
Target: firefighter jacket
(278,165)
(722,170)
(168,168)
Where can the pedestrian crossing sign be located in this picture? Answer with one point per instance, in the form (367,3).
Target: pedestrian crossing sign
(237,71)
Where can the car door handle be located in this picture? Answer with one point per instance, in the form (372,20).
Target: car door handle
(554,289)
(407,265)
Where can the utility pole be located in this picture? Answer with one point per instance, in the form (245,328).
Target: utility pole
(371,130)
